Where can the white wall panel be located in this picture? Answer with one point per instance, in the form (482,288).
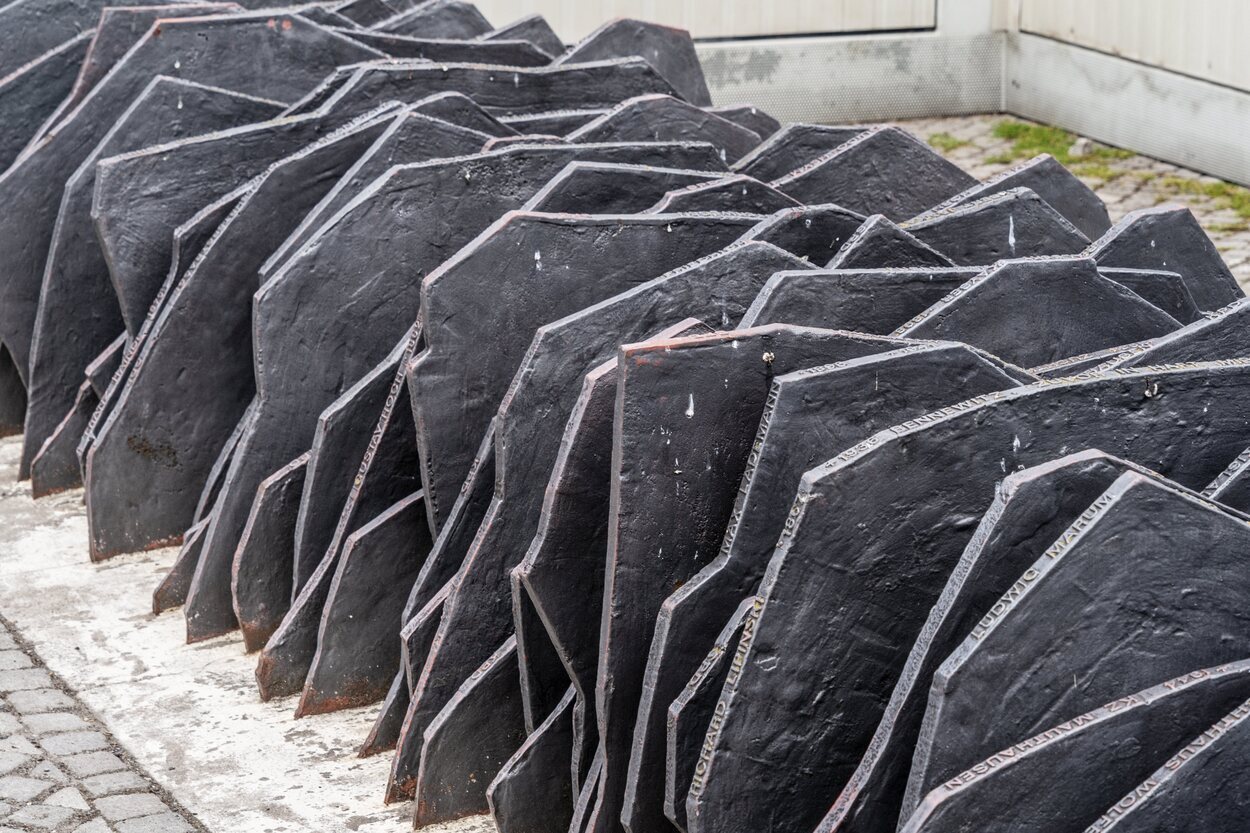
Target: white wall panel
(722,18)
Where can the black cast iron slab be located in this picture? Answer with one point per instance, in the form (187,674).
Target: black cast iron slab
(813,232)
(752,118)
(357,645)
(212,487)
(384,734)
(416,638)
(601,188)
(172,591)
(671,51)
(1010,224)
(883,170)
(77,315)
(261,572)
(1217,335)
(656,118)
(1200,788)
(687,412)
(504,53)
(1169,237)
(193,376)
(533,792)
(875,301)
(55,467)
(30,95)
(790,148)
(892,547)
(438,19)
(1031,508)
(313,352)
(205,49)
(1065,297)
(543,676)
(546,266)
(810,414)
(692,711)
(469,742)
(557,123)
(1166,290)
(1148,582)
(533,29)
(879,243)
(731,193)
(1232,487)
(1084,762)
(362,13)
(1051,181)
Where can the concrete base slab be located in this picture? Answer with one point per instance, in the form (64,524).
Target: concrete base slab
(188,713)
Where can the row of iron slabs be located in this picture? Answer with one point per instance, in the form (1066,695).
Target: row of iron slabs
(646,464)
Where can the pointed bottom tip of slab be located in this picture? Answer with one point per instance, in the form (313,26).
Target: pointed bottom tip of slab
(370,749)
(38,491)
(255,636)
(99,554)
(197,633)
(268,682)
(399,791)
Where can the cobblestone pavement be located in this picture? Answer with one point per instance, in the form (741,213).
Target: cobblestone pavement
(987,144)
(59,768)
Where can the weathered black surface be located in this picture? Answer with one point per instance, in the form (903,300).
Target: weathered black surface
(731,193)
(77,314)
(543,676)
(1232,487)
(504,53)
(813,232)
(1218,335)
(439,19)
(790,148)
(883,170)
(1166,290)
(1031,508)
(193,377)
(297,58)
(1055,184)
(692,711)
(660,118)
(879,243)
(1014,223)
(534,29)
(357,646)
(546,266)
(29,29)
(343,436)
(866,301)
(892,557)
(55,468)
(212,486)
(403,226)
(412,137)
(365,12)
(533,793)
(384,734)
(30,95)
(1169,237)
(670,51)
(602,188)
(417,637)
(387,471)
(558,123)
(172,591)
(1201,788)
(1179,558)
(101,369)
(1065,297)
(752,118)
(1084,763)
(585,808)
(12,395)
(708,394)
(261,574)
(469,741)
(811,414)
(462,111)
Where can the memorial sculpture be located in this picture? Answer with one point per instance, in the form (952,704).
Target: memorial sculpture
(645,464)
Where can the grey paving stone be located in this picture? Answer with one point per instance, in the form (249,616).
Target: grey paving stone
(10,761)
(42,724)
(67,797)
(132,805)
(164,823)
(18,744)
(72,743)
(47,771)
(21,788)
(39,700)
(93,826)
(113,782)
(8,724)
(10,660)
(24,679)
(42,818)
(93,763)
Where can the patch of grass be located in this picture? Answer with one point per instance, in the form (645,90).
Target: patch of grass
(1097,170)
(1028,140)
(945,142)
(1235,198)
(1229,228)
